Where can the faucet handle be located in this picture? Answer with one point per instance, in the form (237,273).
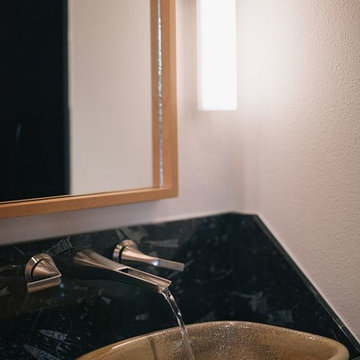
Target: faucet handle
(127,251)
(41,273)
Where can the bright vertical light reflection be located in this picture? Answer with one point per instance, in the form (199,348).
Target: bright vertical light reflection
(217,75)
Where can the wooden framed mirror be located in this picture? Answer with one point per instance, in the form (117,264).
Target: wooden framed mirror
(163,117)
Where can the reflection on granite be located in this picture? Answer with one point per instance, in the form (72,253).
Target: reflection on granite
(234,270)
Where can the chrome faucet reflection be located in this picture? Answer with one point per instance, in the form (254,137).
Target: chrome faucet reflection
(91,265)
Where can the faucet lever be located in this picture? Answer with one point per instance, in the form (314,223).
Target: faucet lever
(41,273)
(96,266)
(127,251)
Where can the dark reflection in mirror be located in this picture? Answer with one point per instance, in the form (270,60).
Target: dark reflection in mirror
(34,155)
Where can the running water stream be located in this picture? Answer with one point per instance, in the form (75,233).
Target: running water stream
(175,309)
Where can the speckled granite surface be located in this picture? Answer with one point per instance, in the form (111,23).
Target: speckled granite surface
(235,270)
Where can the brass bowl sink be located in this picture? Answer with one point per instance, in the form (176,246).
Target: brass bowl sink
(225,340)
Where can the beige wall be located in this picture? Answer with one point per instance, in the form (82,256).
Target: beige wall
(291,152)
(298,162)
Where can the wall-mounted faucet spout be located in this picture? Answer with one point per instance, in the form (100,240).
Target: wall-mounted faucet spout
(92,265)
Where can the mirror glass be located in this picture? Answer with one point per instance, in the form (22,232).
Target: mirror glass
(77,109)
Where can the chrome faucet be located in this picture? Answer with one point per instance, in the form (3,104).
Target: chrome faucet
(92,265)
(41,273)
(127,251)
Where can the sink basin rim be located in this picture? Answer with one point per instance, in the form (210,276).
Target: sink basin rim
(102,353)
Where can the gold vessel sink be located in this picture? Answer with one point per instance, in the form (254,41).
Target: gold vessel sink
(225,340)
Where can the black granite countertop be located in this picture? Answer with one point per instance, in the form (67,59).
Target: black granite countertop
(235,270)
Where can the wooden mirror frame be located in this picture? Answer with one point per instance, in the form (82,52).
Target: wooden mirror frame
(169,137)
